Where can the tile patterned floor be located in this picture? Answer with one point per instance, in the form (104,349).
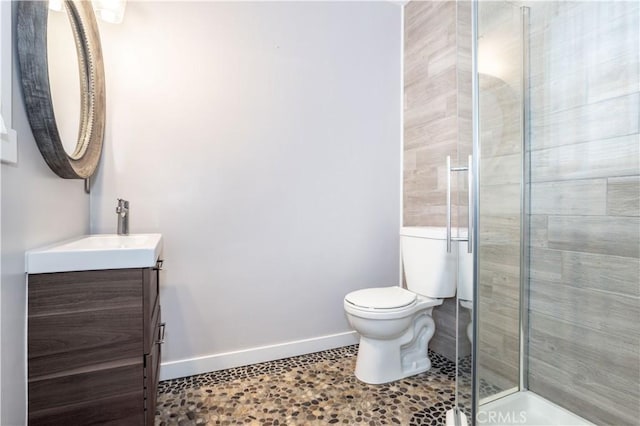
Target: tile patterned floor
(314,389)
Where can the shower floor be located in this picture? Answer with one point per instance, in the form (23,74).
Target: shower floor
(317,388)
(527,408)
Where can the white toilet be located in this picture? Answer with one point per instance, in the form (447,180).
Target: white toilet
(395,324)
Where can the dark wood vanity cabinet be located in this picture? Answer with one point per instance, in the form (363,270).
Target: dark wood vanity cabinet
(94,344)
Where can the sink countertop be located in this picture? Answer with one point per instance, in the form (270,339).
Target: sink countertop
(94,252)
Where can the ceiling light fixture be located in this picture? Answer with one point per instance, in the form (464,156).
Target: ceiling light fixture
(111,11)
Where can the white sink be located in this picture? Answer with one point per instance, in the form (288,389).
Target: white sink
(92,252)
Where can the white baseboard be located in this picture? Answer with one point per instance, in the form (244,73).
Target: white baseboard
(221,361)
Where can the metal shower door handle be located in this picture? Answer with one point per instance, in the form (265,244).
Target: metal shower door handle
(468,169)
(448,204)
(470,205)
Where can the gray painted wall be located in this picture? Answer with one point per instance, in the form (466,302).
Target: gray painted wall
(263,141)
(38,208)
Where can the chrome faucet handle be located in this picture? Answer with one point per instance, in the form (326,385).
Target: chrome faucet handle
(123,206)
(122,210)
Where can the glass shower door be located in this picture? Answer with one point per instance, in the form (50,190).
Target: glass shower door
(557,151)
(500,198)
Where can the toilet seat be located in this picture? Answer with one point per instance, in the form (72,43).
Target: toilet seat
(383,298)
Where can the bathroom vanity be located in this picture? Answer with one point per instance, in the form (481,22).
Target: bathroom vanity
(95,335)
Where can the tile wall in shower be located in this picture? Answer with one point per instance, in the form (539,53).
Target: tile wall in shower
(585,208)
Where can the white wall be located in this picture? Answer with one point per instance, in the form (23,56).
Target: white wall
(263,141)
(38,208)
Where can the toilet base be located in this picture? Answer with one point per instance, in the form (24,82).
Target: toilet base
(382,361)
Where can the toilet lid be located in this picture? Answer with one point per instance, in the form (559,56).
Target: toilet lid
(381,298)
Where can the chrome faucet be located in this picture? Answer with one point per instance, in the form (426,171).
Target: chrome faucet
(122,210)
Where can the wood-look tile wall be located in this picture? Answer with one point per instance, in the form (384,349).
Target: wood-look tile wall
(430,109)
(437,123)
(584,340)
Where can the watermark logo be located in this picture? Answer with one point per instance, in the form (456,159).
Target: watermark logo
(493,417)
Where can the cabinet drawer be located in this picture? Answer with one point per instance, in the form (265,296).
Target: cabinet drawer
(80,319)
(69,395)
(62,292)
(119,410)
(151,302)
(152,372)
(65,342)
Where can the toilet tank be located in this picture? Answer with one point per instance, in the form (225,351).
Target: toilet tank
(429,270)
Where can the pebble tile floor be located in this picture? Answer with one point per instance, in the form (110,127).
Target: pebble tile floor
(313,389)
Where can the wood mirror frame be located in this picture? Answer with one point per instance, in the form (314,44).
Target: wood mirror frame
(34,76)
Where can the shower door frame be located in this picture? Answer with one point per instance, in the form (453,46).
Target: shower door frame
(475,133)
(525,201)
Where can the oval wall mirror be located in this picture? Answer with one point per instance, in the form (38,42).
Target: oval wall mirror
(62,76)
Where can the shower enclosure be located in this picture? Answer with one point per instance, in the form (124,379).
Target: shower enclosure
(556,155)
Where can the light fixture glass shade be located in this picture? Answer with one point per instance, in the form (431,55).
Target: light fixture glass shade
(111,11)
(56,5)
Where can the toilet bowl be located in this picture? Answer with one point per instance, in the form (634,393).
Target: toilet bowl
(393,339)
(395,324)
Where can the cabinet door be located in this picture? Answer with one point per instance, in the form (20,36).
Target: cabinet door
(84,358)
(152,371)
(102,397)
(151,301)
